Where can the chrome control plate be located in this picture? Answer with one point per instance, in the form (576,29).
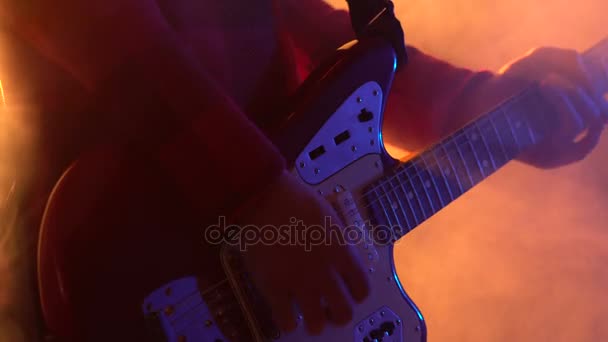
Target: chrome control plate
(352,132)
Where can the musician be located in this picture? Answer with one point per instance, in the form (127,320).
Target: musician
(190,82)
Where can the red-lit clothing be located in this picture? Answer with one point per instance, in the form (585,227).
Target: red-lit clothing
(197,100)
(181,99)
(226,157)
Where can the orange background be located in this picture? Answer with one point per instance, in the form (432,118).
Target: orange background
(524,256)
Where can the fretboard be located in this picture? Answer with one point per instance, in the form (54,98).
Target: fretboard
(417,189)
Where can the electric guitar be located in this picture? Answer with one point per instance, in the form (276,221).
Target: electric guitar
(95,234)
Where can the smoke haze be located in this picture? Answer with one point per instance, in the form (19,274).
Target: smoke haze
(523,256)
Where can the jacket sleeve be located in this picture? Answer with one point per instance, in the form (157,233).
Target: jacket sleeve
(429,98)
(432,98)
(166,104)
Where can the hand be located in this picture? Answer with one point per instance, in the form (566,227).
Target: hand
(288,274)
(87,38)
(581,109)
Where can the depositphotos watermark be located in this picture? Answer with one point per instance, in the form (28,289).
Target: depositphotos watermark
(299,234)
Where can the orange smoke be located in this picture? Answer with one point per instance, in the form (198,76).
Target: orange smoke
(522,256)
(2,97)
(16,302)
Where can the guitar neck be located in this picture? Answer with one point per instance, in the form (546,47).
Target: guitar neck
(417,189)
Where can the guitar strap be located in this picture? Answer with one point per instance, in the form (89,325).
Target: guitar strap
(376,18)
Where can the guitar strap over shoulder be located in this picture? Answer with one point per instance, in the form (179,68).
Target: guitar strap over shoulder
(373,18)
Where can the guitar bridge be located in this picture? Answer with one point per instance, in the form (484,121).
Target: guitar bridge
(177,313)
(257,313)
(381,326)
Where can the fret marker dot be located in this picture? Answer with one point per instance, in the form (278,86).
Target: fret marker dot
(410,195)
(518,124)
(485,163)
(474,137)
(427,184)
(447,172)
(395,205)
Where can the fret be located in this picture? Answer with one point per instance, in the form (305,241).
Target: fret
(462,172)
(404,223)
(419,188)
(405,195)
(381,232)
(518,125)
(533,139)
(493,140)
(506,134)
(450,173)
(434,172)
(421,183)
(483,150)
(413,191)
(469,157)
(388,207)
(396,206)
(404,204)
(377,205)
(447,171)
(481,153)
(429,184)
(512,131)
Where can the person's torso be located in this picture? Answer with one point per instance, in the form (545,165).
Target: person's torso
(239,44)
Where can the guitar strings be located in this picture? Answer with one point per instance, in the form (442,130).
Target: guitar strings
(202,302)
(435,161)
(485,120)
(189,295)
(388,183)
(417,171)
(375,188)
(409,181)
(384,189)
(413,172)
(382,184)
(524,94)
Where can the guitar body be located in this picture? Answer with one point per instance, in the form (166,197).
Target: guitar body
(123,257)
